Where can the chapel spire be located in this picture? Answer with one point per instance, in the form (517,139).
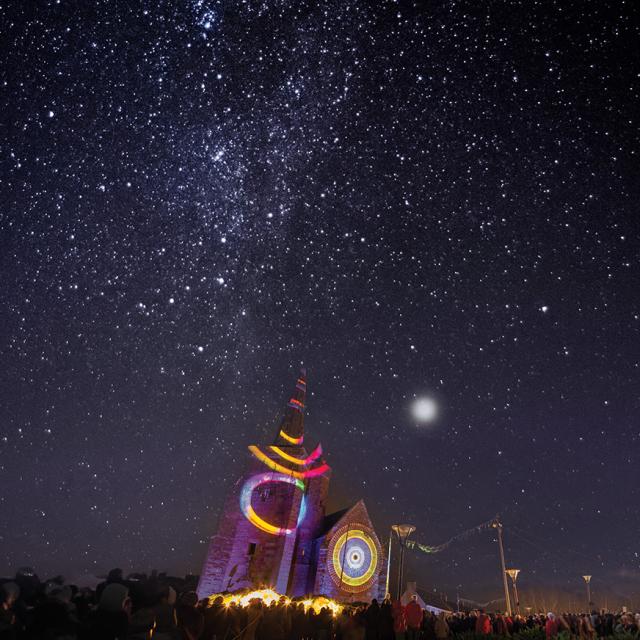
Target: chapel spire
(291,431)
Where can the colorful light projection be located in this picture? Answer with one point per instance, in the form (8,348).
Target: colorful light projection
(353,558)
(314,455)
(291,439)
(297,405)
(245,502)
(282,473)
(276,466)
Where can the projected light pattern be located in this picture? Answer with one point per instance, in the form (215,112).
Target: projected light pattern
(245,501)
(291,439)
(303,511)
(296,404)
(314,455)
(286,468)
(276,466)
(353,558)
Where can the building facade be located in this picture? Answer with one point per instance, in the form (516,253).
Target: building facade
(274,530)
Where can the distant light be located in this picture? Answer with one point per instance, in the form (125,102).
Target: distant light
(171,300)
(424,410)
(544,308)
(51,114)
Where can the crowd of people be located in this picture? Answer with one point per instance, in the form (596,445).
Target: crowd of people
(157,608)
(585,626)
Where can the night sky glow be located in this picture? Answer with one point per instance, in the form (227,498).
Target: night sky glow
(408,198)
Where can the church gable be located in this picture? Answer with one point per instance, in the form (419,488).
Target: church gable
(357,514)
(350,557)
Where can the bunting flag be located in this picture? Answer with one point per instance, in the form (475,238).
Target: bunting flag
(425,548)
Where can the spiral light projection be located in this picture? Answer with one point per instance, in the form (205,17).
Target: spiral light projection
(291,439)
(280,473)
(314,455)
(245,502)
(276,466)
(353,558)
(296,404)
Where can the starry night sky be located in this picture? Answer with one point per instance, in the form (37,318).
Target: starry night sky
(411,199)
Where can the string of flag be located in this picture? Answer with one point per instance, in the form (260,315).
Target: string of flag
(425,548)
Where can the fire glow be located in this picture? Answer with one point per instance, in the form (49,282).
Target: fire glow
(269,597)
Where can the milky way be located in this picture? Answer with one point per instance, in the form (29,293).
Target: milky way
(429,198)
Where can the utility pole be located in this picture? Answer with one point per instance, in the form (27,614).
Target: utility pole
(498,525)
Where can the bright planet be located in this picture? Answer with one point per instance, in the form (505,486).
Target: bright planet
(424,410)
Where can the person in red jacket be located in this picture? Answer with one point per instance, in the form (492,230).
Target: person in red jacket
(413,614)
(551,627)
(483,624)
(509,620)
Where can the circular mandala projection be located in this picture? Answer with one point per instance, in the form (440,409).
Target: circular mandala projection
(353,558)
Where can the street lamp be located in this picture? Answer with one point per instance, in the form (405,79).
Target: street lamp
(587,580)
(403,531)
(513,574)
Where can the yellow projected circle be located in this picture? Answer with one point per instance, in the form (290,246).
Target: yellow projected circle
(354,558)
